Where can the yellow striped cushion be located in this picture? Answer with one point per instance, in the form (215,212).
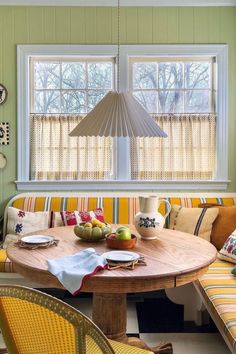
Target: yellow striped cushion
(116,210)
(218,287)
(6,265)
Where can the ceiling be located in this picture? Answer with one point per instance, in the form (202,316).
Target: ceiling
(122,2)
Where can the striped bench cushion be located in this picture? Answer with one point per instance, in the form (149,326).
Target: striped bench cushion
(218,288)
(6,265)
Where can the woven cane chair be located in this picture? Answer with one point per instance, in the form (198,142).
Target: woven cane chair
(36,323)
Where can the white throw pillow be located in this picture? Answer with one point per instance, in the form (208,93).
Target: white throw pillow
(20,222)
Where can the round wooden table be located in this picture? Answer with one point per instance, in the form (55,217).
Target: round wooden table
(173,259)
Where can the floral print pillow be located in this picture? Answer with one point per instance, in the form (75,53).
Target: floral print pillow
(228,251)
(76,217)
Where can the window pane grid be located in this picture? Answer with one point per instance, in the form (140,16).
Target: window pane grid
(63,87)
(183,86)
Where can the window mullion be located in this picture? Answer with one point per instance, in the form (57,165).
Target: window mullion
(123,158)
(123,170)
(86,85)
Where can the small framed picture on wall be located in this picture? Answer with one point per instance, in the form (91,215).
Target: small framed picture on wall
(3,94)
(4,133)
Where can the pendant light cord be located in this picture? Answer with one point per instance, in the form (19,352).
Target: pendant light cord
(118,45)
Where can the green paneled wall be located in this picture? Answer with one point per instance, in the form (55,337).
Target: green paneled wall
(90,25)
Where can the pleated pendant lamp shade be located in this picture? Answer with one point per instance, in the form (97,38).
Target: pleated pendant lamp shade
(118,114)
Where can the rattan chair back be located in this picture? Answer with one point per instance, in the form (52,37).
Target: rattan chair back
(36,323)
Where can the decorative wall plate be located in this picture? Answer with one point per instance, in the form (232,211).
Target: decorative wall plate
(4,133)
(3,160)
(3,94)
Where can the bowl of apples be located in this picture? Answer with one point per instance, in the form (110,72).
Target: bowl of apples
(92,231)
(122,239)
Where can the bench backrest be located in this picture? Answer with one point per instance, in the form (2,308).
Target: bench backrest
(117,209)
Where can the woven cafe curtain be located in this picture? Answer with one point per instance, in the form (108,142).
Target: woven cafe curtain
(188,153)
(57,156)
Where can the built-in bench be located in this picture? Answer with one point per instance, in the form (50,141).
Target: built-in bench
(217,288)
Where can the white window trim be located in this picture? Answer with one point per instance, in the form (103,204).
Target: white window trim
(123,183)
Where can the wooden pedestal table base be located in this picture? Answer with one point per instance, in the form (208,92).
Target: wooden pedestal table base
(109,314)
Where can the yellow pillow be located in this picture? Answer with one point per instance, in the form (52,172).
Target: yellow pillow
(195,221)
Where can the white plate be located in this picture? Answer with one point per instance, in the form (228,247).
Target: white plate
(121,256)
(38,239)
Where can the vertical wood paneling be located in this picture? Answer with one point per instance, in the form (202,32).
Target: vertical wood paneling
(131,25)
(49,25)
(93,25)
(228,35)
(123,23)
(186,25)
(62,25)
(214,24)
(9,108)
(145,25)
(201,25)
(77,25)
(103,25)
(173,25)
(227,25)
(21,29)
(2,172)
(35,19)
(160,25)
(90,25)
(114,23)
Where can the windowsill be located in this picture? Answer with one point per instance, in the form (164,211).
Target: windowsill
(120,185)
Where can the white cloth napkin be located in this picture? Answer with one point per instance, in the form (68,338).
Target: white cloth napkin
(73,270)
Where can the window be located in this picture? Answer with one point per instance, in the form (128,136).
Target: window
(176,84)
(62,91)
(180,95)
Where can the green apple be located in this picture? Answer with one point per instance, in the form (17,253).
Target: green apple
(121,228)
(123,233)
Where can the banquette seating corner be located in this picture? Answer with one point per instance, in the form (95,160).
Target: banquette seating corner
(215,291)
